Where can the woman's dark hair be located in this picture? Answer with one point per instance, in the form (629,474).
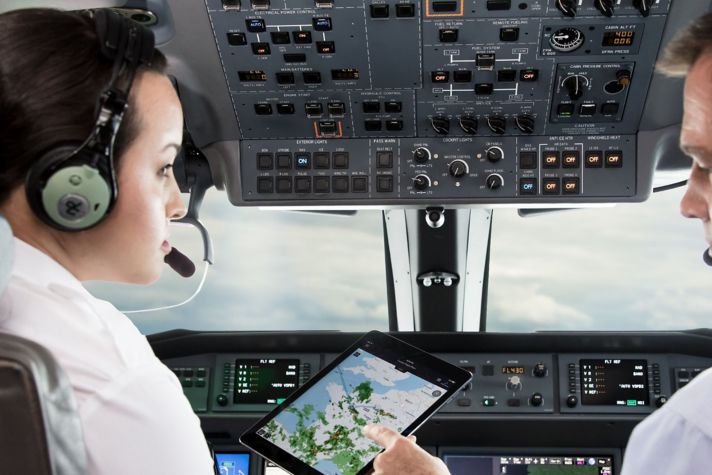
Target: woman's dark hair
(51,76)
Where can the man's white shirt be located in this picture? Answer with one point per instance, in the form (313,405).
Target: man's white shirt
(135,417)
(676,439)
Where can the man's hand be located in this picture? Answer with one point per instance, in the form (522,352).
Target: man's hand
(402,455)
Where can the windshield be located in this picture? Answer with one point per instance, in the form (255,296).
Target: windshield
(629,267)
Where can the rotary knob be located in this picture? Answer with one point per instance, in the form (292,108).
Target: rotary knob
(468,124)
(441,125)
(567,7)
(572,401)
(494,181)
(494,154)
(643,6)
(536,400)
(497,124)
(221,400)
(575,85)
(540,370)
(421,155)
(421,182)
(458,168)
(525,123)
(605,7)
(659,402)
(566,40)
(514,383)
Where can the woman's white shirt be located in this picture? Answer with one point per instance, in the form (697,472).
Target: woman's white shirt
(135,417)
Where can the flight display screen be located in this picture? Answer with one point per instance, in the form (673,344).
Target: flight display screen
(614,382)
(232,463)
(528,464)
(265,381)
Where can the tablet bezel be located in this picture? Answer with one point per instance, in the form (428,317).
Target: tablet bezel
(457,376)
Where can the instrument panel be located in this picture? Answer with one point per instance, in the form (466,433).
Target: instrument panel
(567,399)
(347,102)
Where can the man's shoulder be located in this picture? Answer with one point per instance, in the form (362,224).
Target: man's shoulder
(692,403)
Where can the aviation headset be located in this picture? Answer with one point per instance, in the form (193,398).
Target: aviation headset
(72,187)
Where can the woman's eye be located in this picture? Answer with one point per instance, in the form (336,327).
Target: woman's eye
(165,171)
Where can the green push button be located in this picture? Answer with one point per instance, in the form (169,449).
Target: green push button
(280,400)
(632,402)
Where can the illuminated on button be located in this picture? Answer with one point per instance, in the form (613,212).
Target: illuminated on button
(632,402)
(280,400)
(489,402)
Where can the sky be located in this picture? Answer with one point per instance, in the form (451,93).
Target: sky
(630,267)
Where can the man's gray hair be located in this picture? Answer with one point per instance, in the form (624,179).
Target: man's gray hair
(687,46)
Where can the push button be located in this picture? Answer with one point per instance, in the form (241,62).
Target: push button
(372,125)
(384,159)
(440,76)
(565,110)
(528,160)
(255,25)
(509,34)
(529,75)
(263,109)
(570,159)
(265,161)
(371,107)
(285,108)
(325,47)
(610,108)
(311,77)
(322,184)
(359,184)
(527,186)
(284,161)
(614,159)
(393,107)
(488,370)
(551,186)
(303,160)
(322,23)
(587,110)
(322,160)
(571,186)
(394,125)
(506,75)
(261,49)
(384,184)
(285,77)
(340,184)
(302,37)
(284,184)
(464,402)
(280,37)
(341,159)
(379,11)
(594,159)
(265,184)
(462,76)
(550,160)
(405,10)
(302,184)
(236,39)
(448,35)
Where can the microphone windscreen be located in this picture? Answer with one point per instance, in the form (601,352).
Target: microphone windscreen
(180,263)
(707,257)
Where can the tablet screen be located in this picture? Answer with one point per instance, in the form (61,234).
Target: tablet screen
(322,427)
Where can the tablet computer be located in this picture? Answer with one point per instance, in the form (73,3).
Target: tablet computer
(378,380)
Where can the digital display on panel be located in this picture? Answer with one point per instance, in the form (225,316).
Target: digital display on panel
(272,469)
(232,464)
(618,38)
(265,381)
(513,370)
(612,382)
(529,464)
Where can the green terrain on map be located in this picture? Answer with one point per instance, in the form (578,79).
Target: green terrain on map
(339,447)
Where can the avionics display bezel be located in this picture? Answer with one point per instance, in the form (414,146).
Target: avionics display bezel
(448,376)
(535,452)
(251,460)
(615,372)
(284,392)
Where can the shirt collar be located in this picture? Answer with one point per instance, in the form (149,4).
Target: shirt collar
(36,267)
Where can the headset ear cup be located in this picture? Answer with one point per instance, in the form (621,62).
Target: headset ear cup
(67,193)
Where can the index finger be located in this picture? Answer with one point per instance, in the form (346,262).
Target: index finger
(381,435)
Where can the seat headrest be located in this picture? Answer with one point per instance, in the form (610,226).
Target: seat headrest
(7,252)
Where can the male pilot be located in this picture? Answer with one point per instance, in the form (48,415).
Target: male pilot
(677,439)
